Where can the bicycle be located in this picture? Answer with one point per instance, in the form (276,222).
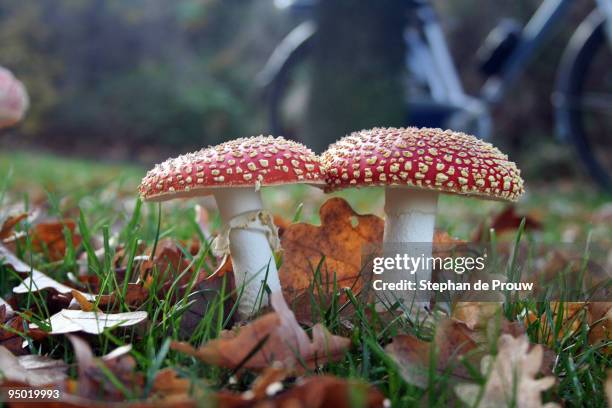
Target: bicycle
(582,98)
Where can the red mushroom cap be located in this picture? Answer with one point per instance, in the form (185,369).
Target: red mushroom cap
(245,162)
(435,159)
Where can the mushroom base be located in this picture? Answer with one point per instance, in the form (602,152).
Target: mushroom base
(410,219)
(252,258)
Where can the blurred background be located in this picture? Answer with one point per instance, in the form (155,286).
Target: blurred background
(142,80)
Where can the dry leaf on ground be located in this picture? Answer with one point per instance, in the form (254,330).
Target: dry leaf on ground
(93,381)
(8,309)
(8,258)
(36,280)
(281,223)
(169,261)
(314,392)
(556,269)
(476,315)
(505,221)
(31,369)
(6,230)
(510,377)
(49,237)
(453,341)
(135,295)
(608,386)
(170,264)
(488,322)
(70,321)
(342,239)
(600,323)
(573,317)
(274,337)
(168,383)
(12,330)
(268,379)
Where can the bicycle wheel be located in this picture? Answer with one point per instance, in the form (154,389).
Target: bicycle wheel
(289,93)
(584,98)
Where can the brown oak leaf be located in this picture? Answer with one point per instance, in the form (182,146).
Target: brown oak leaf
(453,341)
(511,377)
(343,238)
(6,230)
(314,392)
(274,337)
(505,221)
(572,314)
(49,236)
(31,369)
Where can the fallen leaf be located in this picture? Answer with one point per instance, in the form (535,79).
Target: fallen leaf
(576,272)
(503,326)
(281,223)
(476,315)
(50,237)
(268,378)
(8,258)
(13,328)
(600,324)
(203,297)
(8,309)
(343,238)
(36,280)
(572,314)
(33,370)
(85,304)
(168,383)
(505,221)
(93,380)
(609,388)
(444,242)
(169,261)
(274,337)
(135,295)
(171,268)
(452,343)
(9,224)
(314,392)
(510,377)
(70,321)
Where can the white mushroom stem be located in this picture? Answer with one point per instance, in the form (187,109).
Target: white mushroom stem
(252,258)
(409,229)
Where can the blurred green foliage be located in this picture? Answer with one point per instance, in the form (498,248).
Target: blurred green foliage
(133,70)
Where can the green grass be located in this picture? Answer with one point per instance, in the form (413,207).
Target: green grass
(102,198)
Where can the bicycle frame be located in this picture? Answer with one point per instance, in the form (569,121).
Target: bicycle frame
(431,60)
(533,36)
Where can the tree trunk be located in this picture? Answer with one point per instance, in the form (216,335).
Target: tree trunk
(358,60)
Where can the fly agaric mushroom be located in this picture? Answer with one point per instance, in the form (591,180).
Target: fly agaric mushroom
(233,172)
(13,99)
(415,165)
